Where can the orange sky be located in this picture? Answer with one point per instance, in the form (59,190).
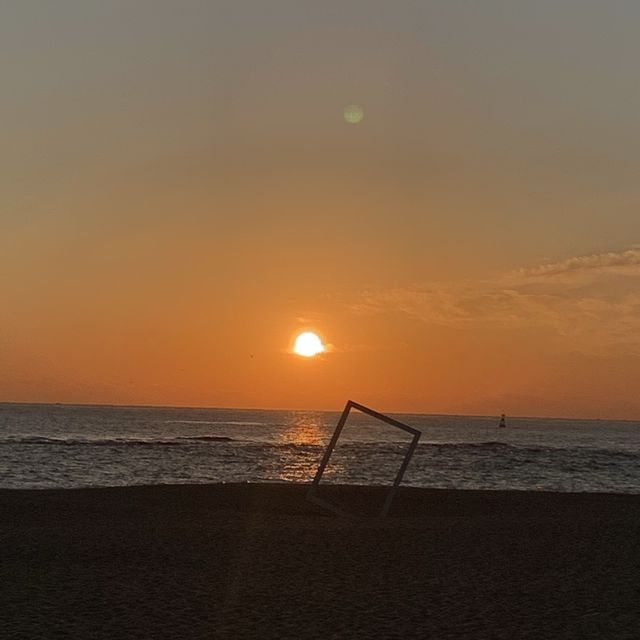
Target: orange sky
(183,195)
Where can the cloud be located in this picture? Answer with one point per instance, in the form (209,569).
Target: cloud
(596,314)
(611,262)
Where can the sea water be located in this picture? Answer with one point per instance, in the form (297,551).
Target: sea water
(48,446)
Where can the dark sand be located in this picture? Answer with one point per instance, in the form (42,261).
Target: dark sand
(257,561)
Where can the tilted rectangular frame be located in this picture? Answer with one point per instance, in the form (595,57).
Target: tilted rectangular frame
(312,495)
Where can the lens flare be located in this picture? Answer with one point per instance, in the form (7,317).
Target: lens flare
(353,113)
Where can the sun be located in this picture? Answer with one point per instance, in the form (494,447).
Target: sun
(308,344)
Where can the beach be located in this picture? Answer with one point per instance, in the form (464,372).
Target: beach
(259,561)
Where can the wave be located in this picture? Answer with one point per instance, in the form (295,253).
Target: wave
(207,438)
(520,450)
(598,455)
(111,442)
(436,445)
(390,446)
(494,444)
(504,449)
(240,423)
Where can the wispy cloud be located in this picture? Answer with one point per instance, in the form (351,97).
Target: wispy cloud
(598,263)
(580,299)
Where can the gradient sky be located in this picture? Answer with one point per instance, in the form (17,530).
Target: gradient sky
(180,194)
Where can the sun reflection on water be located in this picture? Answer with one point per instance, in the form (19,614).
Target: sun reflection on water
(305,429)
(308,433)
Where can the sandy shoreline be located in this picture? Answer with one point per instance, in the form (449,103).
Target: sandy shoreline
(257,561)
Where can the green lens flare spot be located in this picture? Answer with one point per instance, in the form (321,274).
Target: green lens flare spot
(353,113)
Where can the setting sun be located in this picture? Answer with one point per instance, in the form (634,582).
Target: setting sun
(308,344)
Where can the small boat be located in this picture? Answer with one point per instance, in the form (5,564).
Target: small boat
(503,422)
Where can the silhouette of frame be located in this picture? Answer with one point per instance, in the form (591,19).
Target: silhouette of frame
(312,493)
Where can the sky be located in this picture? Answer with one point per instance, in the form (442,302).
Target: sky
(180,195)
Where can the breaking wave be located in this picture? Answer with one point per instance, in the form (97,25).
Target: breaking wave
(240,423)
(111,442)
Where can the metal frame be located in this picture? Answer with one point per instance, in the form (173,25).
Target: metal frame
(311,494)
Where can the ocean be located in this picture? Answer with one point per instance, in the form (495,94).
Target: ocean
(64,446)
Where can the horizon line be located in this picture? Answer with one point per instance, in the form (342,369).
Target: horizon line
(402,413)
